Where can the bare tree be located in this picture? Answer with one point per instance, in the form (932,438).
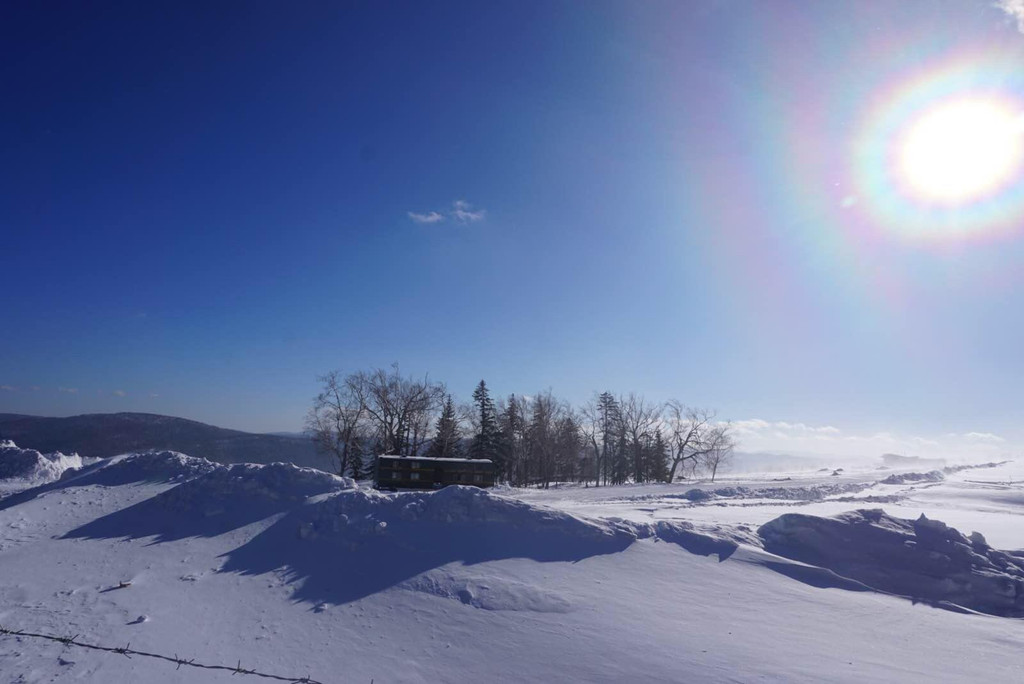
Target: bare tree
(337,419)
(542,437)
(720,444)
(400,408)
(639,419)
(696,439)
(687,427)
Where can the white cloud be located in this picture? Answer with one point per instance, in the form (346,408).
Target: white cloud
(8,388)
(1015,10)
(756,434)
(153,395)
(756,425)
(119,393)
(986,437)
(429,217)
(463,212)
(68,390)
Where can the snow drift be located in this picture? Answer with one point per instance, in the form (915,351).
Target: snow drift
(209,499)
(909,478)
(338,542)
(29,468)
(923,559)
(356,542)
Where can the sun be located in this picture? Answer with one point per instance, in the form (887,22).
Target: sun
(961,151)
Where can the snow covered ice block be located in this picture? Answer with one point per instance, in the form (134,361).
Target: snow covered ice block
(922,559)
(30,468)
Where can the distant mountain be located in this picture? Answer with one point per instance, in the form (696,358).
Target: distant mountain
(109,434)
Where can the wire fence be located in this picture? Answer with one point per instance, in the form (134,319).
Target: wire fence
(128,652)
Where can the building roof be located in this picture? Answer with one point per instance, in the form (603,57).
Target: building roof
(439,460)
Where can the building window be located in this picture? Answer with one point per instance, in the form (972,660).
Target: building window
(414,476)
(478,478)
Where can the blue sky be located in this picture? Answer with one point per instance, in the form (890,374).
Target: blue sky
(207,205)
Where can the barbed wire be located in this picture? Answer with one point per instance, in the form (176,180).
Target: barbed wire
(128,652)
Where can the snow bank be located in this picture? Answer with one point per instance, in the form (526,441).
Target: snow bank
(251,483)
(973,466)
(209,499)
(350,544)
(817,492)
(148,466)
(720,542)
(906,478)
(30,468)
(924,559)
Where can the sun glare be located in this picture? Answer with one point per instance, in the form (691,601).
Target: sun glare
(962,151)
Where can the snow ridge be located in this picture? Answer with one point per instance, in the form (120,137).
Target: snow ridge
(923,559)
(23,468)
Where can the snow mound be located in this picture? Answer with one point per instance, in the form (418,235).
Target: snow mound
(147,466)
(701,542)
(350,544)
(816,492)
(150,467)
(972,466)
(460,507)
(905,478)
(30,468)
(923,559)
(250,482)
(209,499)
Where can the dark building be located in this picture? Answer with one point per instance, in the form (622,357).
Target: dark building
(410,472)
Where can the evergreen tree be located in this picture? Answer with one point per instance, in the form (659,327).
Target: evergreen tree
(447,438)
(568,443)
(611,431)
(485,443)
(657,466)
(357,460)
(620,460)
(511,442)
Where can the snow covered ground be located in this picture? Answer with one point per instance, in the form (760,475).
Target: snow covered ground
(297,572)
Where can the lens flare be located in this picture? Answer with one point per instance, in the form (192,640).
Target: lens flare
(941,154)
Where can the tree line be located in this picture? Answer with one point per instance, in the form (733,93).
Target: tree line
(532,440)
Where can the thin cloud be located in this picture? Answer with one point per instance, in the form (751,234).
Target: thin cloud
(119,393)
(153,395)
(986,437)
(1013,9)
(8,388)
(429,217)
(68,390)
(756,434)
(755,425)
(462,211)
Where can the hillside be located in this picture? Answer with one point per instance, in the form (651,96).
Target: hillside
(108,434)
